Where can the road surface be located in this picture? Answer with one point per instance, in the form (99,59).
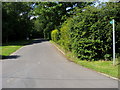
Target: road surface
(41,65)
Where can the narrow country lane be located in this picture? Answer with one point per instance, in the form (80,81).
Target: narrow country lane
(41,65)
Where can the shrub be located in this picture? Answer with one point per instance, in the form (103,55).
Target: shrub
(65,35)
(88,34)
(55,35)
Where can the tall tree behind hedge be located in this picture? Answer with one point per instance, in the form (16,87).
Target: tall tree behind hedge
(53,14)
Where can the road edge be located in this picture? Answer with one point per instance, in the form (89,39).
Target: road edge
(83,66)
(17,50)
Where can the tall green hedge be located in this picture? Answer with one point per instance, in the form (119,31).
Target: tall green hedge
(88,33)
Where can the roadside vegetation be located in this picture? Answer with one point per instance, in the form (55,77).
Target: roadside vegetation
(88,34)
(101,66)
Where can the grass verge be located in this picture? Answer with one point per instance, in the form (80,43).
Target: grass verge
(101,66)
(8,48)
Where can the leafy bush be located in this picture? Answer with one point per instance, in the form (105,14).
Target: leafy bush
(55,35)
(65,35)
(88,33)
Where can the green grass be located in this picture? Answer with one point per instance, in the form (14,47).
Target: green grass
(102,66)
(8,48)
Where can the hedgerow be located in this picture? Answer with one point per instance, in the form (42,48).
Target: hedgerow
(88,33)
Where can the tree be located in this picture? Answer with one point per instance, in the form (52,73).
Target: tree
(16,20)
(52,14)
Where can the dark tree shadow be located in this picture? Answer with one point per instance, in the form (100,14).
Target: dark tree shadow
(24,42)
(9,57)
(35,41)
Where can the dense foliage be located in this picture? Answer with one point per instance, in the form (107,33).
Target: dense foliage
(88,33)
(51,15)
(33,19)
(16,24)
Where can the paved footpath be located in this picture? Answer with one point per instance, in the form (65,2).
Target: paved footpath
(41,65)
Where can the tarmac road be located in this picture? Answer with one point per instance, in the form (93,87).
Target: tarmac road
(41,65)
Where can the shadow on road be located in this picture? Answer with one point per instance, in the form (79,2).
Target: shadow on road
(35,41)
(24,42)
(9,57)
